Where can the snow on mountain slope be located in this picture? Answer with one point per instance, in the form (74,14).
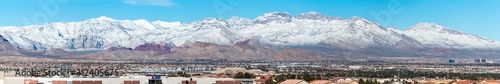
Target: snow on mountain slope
(273,17)
(5,45)
(275,29)
(103,32)
(437,36)
(313,28)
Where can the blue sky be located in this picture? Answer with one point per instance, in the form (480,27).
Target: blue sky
(481,17)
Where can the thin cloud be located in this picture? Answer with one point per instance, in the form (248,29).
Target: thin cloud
(164,3)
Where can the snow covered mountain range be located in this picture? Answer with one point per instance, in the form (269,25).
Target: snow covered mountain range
(275,29)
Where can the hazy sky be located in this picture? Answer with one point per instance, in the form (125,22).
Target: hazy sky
(481,17)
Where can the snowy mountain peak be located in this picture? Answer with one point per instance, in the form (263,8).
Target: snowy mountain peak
(104,18)
(428,27)
(435,35)
(276,14)
(278,17)
(212,20)
(433,27)
(234,18)
(356,18)
(394,29)
(217,22)
(363,23)
(313,16)
(239,22)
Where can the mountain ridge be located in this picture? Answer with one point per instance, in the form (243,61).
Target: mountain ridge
(215,22)
(274,30)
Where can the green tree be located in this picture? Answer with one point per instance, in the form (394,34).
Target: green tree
(361,81)
(280,78)
(291,76)
(248,75)
(370,81)
(243,75)
(239,75)
(376,82)
(269,81)
(172,75)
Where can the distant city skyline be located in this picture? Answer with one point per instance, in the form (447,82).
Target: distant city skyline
(480,17)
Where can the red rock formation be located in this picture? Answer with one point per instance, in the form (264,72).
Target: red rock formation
(162,47)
